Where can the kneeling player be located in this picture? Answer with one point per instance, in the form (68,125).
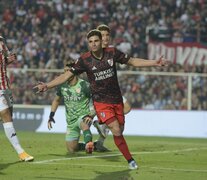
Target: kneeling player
(79,112)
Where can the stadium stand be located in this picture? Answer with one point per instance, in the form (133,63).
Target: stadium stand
(45,33)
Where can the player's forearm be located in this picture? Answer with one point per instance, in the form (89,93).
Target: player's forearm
(137,62)
(55,105)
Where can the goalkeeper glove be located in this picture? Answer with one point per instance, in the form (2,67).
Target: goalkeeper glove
(51,120)
(88,120)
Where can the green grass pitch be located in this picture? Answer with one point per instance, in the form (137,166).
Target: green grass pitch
(159,158)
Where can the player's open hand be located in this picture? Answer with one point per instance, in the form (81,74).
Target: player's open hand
(41,87)
(12,57)
(162,61)
(49,123)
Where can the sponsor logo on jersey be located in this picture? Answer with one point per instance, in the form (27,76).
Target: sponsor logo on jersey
(110,62)
(104,74)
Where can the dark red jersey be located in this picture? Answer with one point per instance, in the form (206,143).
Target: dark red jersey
(102,74)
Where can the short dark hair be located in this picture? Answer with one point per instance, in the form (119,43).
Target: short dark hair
(103,27)
(94,32)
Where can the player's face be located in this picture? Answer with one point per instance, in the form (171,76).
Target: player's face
(68,69)
(105,38)
(94,43)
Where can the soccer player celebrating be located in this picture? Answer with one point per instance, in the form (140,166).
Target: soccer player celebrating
(99,65)
(102,128)
(6,102)
(79,111)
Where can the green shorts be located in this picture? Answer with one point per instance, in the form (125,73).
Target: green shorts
(73,131)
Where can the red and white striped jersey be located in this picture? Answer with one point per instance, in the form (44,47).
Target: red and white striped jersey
(4,81)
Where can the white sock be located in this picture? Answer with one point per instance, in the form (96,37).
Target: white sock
(11,135)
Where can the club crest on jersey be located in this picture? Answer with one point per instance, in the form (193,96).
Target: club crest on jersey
(94,68)
(103,114)
(78,90)
(110,62)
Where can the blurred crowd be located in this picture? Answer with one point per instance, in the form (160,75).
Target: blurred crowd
(45,34)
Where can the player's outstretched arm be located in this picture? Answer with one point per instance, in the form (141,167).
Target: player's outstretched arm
(54,106)
(137,62)
(42,87)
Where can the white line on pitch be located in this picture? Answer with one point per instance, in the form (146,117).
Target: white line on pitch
(142,167)
(90,165)
(117,154)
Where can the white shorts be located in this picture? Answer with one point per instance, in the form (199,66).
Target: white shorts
(6,99)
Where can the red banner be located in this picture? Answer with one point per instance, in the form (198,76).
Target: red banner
(180,53)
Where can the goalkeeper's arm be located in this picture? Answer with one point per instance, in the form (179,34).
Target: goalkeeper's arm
(54,107)
(88,119)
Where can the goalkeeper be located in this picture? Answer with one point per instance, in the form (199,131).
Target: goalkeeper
(79,112)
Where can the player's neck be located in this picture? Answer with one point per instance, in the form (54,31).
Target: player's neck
(74,81)
(98,54)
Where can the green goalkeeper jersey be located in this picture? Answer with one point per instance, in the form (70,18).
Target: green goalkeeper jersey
(77,100)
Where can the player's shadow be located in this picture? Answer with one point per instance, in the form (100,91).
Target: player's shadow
(6,165)
(111,158)
(116,175)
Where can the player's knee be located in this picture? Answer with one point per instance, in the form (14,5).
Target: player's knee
(71,150)
(116,131)
(72,147)
(6,115)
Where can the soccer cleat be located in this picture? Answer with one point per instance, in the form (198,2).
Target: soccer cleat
(102,129)
(89,147)
(98,146)
(133,165)
(25,157)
